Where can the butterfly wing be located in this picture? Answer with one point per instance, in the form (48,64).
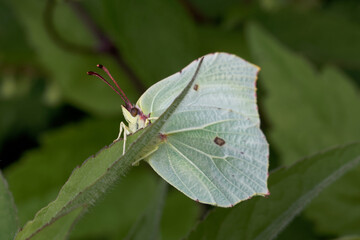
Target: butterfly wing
(213,150)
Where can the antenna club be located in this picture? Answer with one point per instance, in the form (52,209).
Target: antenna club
(99,66)
(90,73)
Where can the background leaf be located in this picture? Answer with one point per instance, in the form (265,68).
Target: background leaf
(49,166)
(38,176)
(8,214)
(322,35)
(180,215)
(285,75)
(58,228)
(155,45)
(71,77)
(308,97)
(120,208)
(300,228)
(341,196)
(14,49)
(349,238)
(148,225)
(291,190)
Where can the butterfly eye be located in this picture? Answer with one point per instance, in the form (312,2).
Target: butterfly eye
(134,112)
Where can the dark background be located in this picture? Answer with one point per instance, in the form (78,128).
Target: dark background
(53,116)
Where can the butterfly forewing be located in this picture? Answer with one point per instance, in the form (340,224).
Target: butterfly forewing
(214,150)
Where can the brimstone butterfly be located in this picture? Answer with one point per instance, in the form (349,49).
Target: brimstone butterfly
(212,148)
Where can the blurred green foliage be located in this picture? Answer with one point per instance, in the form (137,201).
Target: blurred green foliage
(53,116)
(8,213)
(291,190)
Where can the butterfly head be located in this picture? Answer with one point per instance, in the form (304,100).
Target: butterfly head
(135,117)
(133,114)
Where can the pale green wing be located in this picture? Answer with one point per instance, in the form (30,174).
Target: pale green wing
(226,81)
(214,151)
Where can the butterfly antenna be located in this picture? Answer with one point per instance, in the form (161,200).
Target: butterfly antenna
(91,73)
(108,73)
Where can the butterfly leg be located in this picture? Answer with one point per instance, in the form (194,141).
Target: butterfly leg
(152,119)
(126,132)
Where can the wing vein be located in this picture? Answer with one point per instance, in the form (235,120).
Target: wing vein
(196,167)
(172,168)
(239,170)
(153,100)
(206,125)
(209,155)
(251,179)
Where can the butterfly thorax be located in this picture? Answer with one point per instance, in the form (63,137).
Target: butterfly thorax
(135,118)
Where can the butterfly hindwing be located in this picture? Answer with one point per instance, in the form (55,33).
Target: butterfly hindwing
(213,150)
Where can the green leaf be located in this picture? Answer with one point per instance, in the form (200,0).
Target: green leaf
(209,9)
(349,238)
(291,190)
(120,208)
(84,186)
(343,198)
(320,34)
(319,111)
(90,181)
(316,103)
(14,48)
(300,228)
(158,43)
(148,225)
(21,97)
(180,215)
(66,67)
(59,228)
(8,215)
(38,176)
(346,9)
(215,39)
(50,165)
